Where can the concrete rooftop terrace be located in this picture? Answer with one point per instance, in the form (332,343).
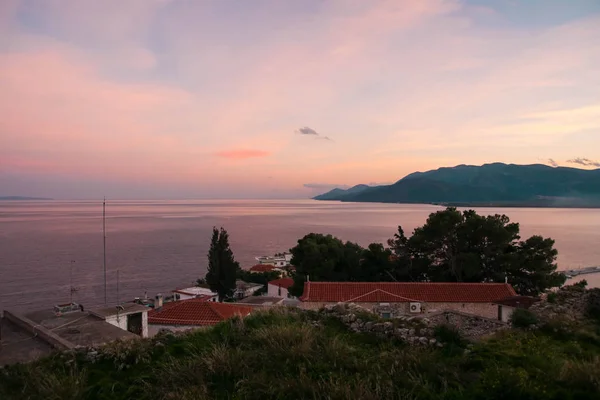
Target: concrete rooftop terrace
(80,327)
(20,346)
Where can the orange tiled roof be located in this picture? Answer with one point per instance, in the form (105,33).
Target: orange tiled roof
(196,312)
(285,283)
(263,268)
(393,292)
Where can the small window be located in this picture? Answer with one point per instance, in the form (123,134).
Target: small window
(386,315)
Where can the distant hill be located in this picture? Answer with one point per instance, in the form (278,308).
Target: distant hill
(338,194)
(23,198)
(488,185)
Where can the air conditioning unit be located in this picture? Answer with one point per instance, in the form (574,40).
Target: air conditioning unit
(415,307)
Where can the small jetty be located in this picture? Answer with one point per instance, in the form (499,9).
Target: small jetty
(571,273)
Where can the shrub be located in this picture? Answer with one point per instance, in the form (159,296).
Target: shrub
(593,304)
(522,318)
(552,297)
(448,334)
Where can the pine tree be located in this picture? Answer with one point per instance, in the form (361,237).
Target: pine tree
(222,267)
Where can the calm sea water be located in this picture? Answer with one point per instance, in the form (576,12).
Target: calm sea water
(158,246)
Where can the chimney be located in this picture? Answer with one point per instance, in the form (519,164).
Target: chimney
(158,303)
(307,278)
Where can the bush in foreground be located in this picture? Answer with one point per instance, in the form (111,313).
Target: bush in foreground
(291,354)
(522,318)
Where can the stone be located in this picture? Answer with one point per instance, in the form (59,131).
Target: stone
(432,341)
(423,340)
(388,326)
(411,332)
(329,307)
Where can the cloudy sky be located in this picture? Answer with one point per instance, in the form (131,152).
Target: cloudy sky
(282,98)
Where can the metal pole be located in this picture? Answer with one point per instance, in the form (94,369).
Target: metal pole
(71,281)
(118,302)
(104,245)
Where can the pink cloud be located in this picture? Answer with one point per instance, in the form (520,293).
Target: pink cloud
(243,154)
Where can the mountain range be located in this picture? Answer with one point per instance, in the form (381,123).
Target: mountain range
(8,198)
(494,184)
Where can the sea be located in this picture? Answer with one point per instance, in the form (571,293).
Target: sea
(52,251)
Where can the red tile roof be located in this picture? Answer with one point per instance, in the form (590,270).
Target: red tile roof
(518,301)
(392,292)
(263,268)
(285,283)
(196,312)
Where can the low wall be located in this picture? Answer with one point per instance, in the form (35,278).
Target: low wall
(488,310)
(36,329)
(470,326)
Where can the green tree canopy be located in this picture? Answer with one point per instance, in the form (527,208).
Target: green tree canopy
(324,258)
(456,246)
(451,246)
(222,267)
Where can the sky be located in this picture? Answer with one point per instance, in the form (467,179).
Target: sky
(183,99)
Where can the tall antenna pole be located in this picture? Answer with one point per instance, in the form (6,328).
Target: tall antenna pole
(118,302)
(71,289)
(104,245)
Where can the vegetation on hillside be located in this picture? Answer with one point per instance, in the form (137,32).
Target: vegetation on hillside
(452,246)
(293,354)
(489,184)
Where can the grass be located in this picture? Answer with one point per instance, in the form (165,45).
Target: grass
(290,354)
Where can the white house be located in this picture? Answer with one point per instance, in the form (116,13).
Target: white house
(245,289)
(278,260)
(279,288)
(130,317)
(195,292)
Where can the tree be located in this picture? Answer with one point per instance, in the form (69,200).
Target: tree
(222,267)
(377,264)
(534,268)
(324,258)
(466,247)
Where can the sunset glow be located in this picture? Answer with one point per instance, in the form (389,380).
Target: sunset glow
(269,98)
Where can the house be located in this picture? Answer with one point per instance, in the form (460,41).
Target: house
(245,289)
(192,314)
(279,288)
(129,317)
(399,298)
(26,337)
(195,292)
(507,305)
(278,260)
(261,301)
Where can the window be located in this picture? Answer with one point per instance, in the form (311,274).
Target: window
(386,315)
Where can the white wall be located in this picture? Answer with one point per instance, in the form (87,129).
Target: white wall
(120,321)
(506,312)
(145,324)
(276,291)
(153,329)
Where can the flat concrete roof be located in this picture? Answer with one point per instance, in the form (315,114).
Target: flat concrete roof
(261,301)
(247,285)
(195,291)
(128,308)
(19,346)
(80,328)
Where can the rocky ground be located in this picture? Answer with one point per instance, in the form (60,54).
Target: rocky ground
(415,330)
